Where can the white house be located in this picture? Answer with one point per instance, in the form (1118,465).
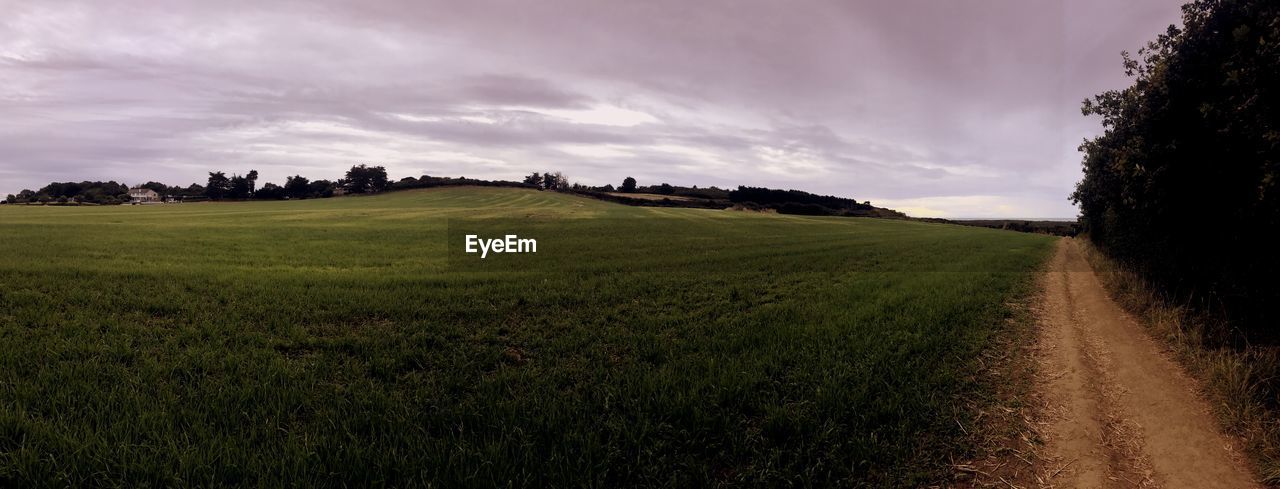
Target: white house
(139,195)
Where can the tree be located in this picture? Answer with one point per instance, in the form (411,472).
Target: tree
(628,185)
(554,181)
(534,179)
(378,179)
(362,179)
(86,191)
(269,191)
(252,180)
(11,198)
(240,188)
(1184,183)
(321,188)
(297,187)
(666,189)
(158,187)
(218,186)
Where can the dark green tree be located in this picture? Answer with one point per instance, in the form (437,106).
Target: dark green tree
(554,181)
(240,188)
(1184,183)
(158,187)
(363,179)
(297,187)
(269,191)
(218,187)
(628,185)
(321,188)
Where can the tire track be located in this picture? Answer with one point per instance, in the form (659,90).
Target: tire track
(1118,412)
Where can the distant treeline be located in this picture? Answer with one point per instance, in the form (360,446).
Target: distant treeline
(798,202)
(1056,228)
(107,193)
(1184,184)
(696,203)
(752,198)
(364,179)
(428,181)
(360,179)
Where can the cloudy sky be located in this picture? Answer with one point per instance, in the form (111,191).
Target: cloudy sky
(938,108)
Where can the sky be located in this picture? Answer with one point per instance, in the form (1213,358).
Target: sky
(935,108)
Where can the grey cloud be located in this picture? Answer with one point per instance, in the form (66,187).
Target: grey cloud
(912,99)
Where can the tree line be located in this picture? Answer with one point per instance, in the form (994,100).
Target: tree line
(1183,185)
(629,185)
(796,201)
(365,179)
(360,179)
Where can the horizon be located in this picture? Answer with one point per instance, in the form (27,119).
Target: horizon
(932,110)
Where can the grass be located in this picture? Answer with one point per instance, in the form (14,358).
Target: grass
(1241,380)
(349,342)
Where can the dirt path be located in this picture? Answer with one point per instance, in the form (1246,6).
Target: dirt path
(1119,412)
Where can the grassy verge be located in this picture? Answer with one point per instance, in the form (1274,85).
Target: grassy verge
(1001,439)
(1242,382)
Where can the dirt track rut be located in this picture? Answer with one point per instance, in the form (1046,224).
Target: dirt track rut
(1119,412)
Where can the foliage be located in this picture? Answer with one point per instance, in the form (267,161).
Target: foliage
(322,188)
(1184,184)
(270,191)
(89,192)
(297,187)
(713,193)
(805,203)
(428,181)
(218,186)
(241,188)
(534,178)
(554,181)
(1056,228)
(362,179)
(628,185)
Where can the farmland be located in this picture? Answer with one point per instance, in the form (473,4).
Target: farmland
(349,341)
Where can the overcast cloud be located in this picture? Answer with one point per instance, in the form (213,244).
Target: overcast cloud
(937,108)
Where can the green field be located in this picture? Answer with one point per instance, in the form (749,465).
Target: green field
(346,342)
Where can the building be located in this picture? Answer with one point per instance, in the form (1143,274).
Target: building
(139,195)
